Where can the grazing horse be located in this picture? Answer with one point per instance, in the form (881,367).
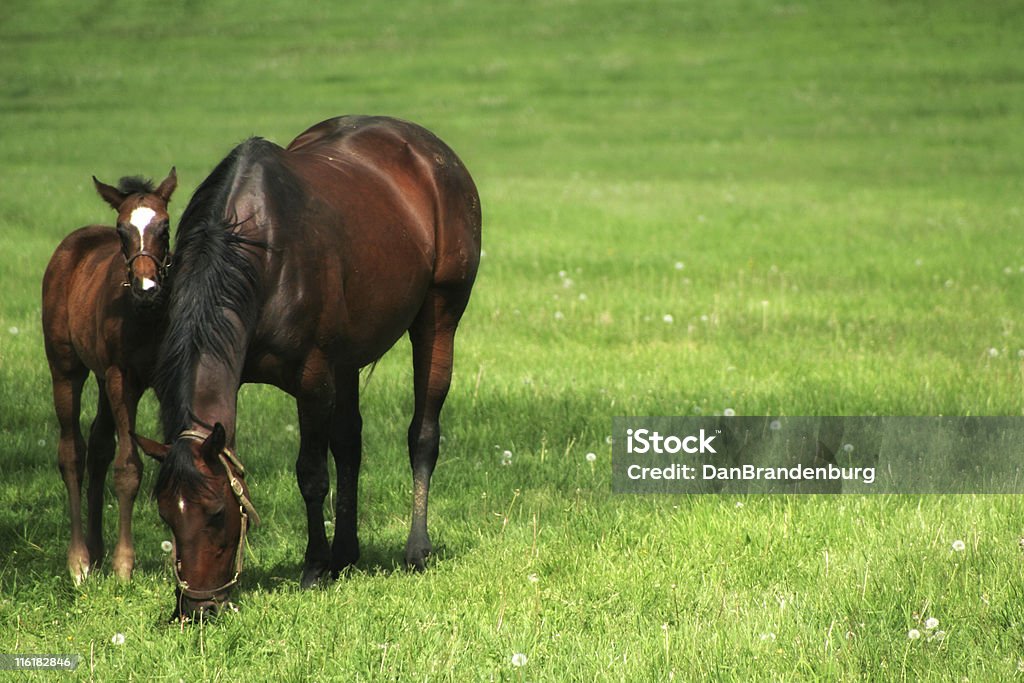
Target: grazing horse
(297,267)
(104,293)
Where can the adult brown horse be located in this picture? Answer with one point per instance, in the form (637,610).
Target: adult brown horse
(296,267)
(103,301)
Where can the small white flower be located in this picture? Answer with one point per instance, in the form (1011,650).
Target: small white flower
(668,319)
(533,578)
(680,265)
(913,634)
(166,546)
(729,412)
(739,503)
(959,546)
(13,330)
(767,636)
(775,425)
(993,352)
(519,659)
(117,639)
(591,457)
(931,623)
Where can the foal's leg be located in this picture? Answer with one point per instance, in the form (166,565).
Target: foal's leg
(347,448)
(124,399)
(67,403)
(316,404)
(101,452)
(433,336)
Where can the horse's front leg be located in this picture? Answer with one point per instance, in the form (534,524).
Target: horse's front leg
(316,405)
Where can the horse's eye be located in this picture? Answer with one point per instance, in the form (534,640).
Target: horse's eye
(217,518)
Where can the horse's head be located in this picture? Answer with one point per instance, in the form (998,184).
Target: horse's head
(144,229)
(202,496)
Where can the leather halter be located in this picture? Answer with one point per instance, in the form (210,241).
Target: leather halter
(161,266)
(231,465)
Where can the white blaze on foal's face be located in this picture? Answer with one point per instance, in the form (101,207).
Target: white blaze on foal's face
(140,220)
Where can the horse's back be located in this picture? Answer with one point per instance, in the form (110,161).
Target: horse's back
(424,169)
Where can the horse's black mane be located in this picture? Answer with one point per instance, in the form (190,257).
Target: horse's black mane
(135,184)
(215,273)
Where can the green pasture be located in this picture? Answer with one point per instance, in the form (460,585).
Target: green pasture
(773,207)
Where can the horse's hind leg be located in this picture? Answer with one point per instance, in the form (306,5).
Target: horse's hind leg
(433,337)
(347,447)
(67,403)
(124,399)
(101,452)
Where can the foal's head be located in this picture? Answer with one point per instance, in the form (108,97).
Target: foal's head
(202,496)
(144,229)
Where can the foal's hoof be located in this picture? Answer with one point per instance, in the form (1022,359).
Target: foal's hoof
(78,567)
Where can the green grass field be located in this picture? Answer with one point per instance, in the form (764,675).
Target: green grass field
(779,208)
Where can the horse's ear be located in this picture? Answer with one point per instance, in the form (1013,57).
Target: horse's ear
(111,195)
(166,188)
(214,445)
(157,451)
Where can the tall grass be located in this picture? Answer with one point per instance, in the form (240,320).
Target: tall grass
(778,208)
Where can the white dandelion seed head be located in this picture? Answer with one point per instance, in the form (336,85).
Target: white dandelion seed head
(729,412)
(608,439)
(775,425)
(959,546)
(913,634)
(848,447)
(559,315)
(41,442)
(506,458)
(1008,270)
(768,636)
(739,503)
(668,319)
(117,639)
(166,546)
(567,282)
(519,659)
(562,274)
(938,636)
(591,457)
(993,352)
(680,265)
(13,330)
(533,578)
(931,623)
(583,297)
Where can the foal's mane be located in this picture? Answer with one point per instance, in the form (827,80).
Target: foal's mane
(135,184)
(215,273)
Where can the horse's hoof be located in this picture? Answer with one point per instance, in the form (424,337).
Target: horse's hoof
(416,556)
(312,576)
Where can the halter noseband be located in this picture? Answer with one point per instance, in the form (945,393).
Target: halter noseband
(231,465)
(161,267)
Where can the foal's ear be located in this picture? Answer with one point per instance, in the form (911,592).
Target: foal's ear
(157,451)
(214,444)
(166,188)
(111,195)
